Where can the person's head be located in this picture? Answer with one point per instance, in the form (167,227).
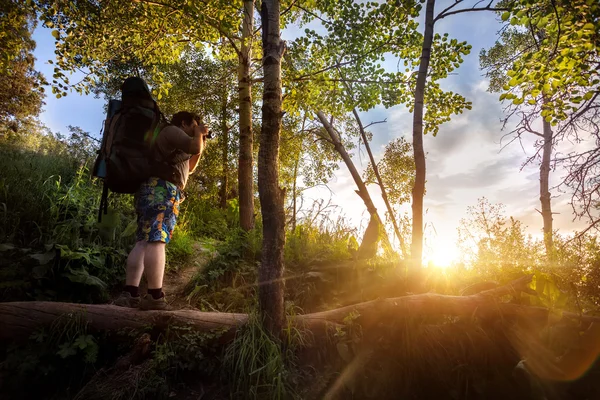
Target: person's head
(186,121)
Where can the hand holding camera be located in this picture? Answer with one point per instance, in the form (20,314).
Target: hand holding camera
(202,130)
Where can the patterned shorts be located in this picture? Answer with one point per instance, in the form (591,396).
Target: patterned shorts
(157,206)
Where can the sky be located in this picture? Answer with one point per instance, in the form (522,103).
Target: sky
(465,161)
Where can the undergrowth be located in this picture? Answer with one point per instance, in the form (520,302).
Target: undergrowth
(260,367)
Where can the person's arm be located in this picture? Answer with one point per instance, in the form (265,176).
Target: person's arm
(180,140)
(200,133)
(194,162)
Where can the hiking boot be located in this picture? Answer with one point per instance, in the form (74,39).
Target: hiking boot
(126,300)
(150,303)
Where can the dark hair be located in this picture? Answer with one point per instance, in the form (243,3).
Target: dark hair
(185,116)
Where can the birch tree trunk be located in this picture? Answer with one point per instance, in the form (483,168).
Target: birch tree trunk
(371,236)
(225,155)
(270,273)
(245,180)
(545,199)
(418,191)
(294,194)
(381,185)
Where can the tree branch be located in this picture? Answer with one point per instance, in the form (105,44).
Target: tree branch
(445,14)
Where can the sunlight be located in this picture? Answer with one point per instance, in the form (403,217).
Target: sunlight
(442,256)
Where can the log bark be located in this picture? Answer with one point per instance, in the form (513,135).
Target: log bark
(245,180)
(270,272)
(418,192)
(19,319)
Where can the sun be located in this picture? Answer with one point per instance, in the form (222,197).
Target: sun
(442,255)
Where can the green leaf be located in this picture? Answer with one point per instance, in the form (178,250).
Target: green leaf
(130,229)
(344,352)
(44,258)
(83,276)
(56,34)
(66,350)
(505,15)
(6,247)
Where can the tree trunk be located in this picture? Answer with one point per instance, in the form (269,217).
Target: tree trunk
(225,155)
(545,192)
(381,185)
(245,179)
(418,192)
(294,194)
(270,274)
(19,319)
(339,147)
(372,232)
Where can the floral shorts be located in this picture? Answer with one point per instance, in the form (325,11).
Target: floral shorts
(157,206)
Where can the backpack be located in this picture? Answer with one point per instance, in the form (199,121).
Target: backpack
(125,158)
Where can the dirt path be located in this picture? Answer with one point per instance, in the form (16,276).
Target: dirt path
(175,281)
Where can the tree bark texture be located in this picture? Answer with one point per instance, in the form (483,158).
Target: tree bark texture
(270,274)
(225,156)
(295,194)
(381,185)
(19,319)
(545,198)
(418,192)
(372,232)
(245,179)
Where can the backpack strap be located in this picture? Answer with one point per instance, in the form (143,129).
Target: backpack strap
(103,202)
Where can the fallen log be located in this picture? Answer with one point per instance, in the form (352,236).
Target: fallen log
(19,319)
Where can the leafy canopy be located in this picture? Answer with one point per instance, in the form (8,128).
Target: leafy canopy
(562,66)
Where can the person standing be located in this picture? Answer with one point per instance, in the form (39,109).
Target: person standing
(176,151)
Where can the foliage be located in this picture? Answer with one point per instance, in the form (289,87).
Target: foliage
(61,356)
(313,80)
(496,246)
(260,366)
(562,64)
(182,349)
(21,91)
(53,247)
(180,249)
(227,281)
(396,168)
(91,37)
(317,240)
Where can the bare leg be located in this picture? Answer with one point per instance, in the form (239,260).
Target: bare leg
(135,264)
(154,264)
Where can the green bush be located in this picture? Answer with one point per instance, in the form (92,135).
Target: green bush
(180,248)
(51,243)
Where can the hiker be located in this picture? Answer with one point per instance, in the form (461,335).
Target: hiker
(179,146)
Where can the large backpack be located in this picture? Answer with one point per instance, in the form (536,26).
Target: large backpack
(125,158)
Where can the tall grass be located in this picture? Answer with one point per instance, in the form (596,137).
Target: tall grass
(258,367)
(52,245)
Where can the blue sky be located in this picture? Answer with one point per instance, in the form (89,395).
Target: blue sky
(84,111)
(464,161)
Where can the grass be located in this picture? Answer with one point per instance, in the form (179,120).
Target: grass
(259,367)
